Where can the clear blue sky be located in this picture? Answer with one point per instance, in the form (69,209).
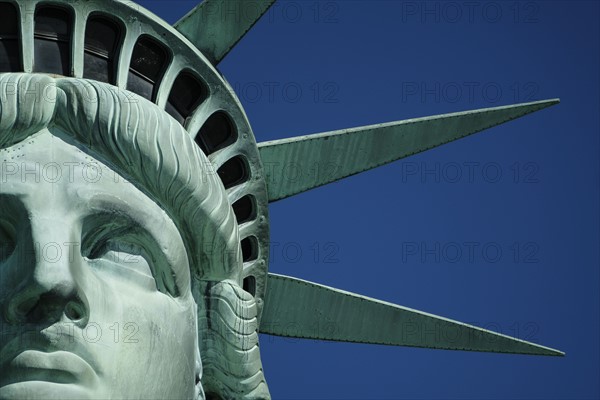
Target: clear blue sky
(313,66)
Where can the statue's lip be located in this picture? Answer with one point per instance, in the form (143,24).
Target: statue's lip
(34,353)
(43,391)
(52,367)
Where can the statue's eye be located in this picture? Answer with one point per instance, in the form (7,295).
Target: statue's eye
(7,240)
(130,251)
(120,251)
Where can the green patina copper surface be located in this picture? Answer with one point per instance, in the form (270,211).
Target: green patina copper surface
(302,309)
(215,26)
(331,156)
(211,304)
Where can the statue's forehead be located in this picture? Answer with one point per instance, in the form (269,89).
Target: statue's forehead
(44,161)
(47,173)
(45,147)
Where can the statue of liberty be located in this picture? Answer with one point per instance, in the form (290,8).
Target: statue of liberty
(134,226)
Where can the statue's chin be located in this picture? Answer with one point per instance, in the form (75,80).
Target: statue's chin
(44,390)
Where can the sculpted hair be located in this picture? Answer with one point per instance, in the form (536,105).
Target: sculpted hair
(150,149)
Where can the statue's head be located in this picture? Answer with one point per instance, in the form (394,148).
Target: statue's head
(121,262)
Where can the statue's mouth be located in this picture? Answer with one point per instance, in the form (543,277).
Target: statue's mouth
(53,367)
(33,360)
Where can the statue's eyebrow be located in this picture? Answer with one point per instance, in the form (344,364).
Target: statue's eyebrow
(118,222)
(112,204)
(105,203)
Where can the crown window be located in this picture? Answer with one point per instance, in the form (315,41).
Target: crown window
(187,93)
(9,38)
(249,248)
(233,172)
(148,64)
(52,40)
(245,209)
(102,40)
(217,132)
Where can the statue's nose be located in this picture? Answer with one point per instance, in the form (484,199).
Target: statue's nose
(47,290)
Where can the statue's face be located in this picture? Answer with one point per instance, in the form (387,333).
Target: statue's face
(94,282)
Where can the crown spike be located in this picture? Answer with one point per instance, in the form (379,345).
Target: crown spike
(339,154)
(303,309)
(216,26)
